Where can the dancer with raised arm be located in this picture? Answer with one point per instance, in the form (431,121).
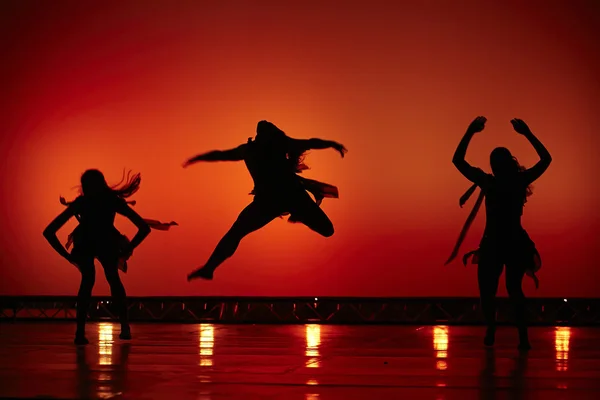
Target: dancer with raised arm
(274,161)
(505,242)
(97,237)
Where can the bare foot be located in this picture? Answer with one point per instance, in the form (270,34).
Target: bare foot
(200,273)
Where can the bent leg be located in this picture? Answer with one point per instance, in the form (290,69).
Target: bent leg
(306,211)
(256,215)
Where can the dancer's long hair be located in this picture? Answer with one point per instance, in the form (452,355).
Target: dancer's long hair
(93,182)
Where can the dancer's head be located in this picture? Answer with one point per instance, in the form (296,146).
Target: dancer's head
(503,163)
(276,139)
(93,184)
(267,131)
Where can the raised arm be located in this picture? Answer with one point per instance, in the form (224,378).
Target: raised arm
(473,174)
(54,226)
(236,154)
(138,221)
(538,169)
(320,144)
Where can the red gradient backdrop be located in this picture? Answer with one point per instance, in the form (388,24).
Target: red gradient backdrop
(144,85)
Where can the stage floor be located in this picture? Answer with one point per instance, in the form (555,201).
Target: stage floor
(202,362)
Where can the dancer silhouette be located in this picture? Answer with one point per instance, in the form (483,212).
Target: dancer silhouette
(274,161)
(505,242)
(97,237)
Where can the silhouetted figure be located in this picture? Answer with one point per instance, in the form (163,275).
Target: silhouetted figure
(273,160)
(504,241)
(97,237)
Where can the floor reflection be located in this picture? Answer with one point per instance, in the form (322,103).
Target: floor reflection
(440,345)
(562,336)
(313,341)
(105,343)
(487,375)
(207,343)
(107,378)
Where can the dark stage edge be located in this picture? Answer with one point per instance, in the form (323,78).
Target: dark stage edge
(301,310)
(207,361)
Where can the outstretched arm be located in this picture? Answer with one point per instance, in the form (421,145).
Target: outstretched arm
(473,174)
(138,221)
(538,169)
(320,144)
(236,154)
(54,226)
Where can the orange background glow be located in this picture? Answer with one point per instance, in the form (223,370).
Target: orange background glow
(144,85)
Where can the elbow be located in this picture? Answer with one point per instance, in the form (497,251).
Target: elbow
(48,233)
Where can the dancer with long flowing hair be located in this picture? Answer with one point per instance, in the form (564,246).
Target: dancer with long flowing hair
(97,238)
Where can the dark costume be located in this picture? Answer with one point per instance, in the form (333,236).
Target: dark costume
(504,243)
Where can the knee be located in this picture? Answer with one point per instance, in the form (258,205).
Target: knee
(328,230)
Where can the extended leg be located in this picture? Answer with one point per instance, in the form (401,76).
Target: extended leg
(117,291)
(488,276)
(253,217)
(514,283)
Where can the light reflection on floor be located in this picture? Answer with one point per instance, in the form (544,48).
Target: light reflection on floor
(562,336)
(105,343)
(276,362)
(207,343)
(440,345)
(313,340)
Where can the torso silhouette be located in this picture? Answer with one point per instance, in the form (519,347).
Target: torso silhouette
(504,201)
(272,172)
(96,219)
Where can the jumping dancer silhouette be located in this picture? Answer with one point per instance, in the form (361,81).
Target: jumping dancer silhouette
(274,161)
(97,237)
(505,242)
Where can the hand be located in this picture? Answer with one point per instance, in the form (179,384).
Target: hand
(477,125)
(520,126)
(340,149)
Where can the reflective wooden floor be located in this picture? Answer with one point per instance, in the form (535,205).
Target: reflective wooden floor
(204,362)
